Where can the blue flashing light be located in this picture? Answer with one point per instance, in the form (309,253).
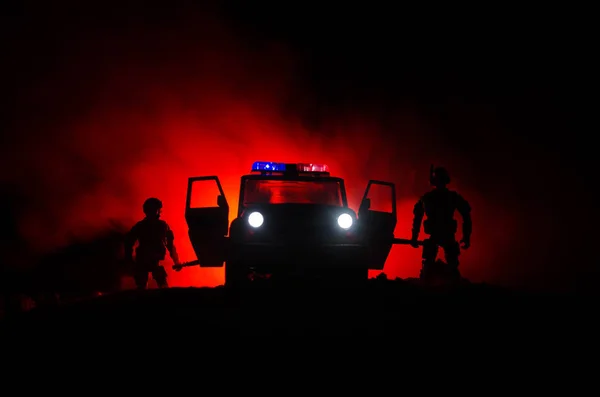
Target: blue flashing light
(268,166)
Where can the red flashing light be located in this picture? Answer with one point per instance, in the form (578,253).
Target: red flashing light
(307,167)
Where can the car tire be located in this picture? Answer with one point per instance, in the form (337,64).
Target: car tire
(236,275)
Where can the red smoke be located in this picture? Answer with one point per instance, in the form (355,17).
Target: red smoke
(134,118)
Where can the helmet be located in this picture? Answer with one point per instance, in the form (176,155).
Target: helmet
(439,176)
(151,206)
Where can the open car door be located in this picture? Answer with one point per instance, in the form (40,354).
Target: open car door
(377,218)
(207,217)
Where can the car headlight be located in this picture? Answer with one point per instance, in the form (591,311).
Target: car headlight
(255,219)
(345,221)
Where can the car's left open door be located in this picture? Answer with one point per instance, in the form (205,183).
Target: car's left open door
(207,217)
(377,218)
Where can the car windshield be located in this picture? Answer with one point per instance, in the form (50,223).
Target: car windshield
(292,192)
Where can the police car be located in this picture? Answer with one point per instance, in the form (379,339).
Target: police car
(292,219)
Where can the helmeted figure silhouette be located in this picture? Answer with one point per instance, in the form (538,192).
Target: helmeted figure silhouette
(439,206)
(155,238)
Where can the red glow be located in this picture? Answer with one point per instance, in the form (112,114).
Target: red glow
(141,128)
(229,166)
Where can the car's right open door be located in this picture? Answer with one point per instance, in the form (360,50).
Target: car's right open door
(207,217)
(377,218)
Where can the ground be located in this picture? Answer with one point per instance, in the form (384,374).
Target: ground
(380,308)
(383,333)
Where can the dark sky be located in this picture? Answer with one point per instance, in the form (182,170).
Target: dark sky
(107,105)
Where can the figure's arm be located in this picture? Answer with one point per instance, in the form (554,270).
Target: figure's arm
(130,239)
(171,246)
(464,209)
(418,213)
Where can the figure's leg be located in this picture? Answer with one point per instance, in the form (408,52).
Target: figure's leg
(430,250)
(159,274)
(141,279)
(451,253)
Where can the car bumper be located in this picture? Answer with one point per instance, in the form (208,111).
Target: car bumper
(269,256)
